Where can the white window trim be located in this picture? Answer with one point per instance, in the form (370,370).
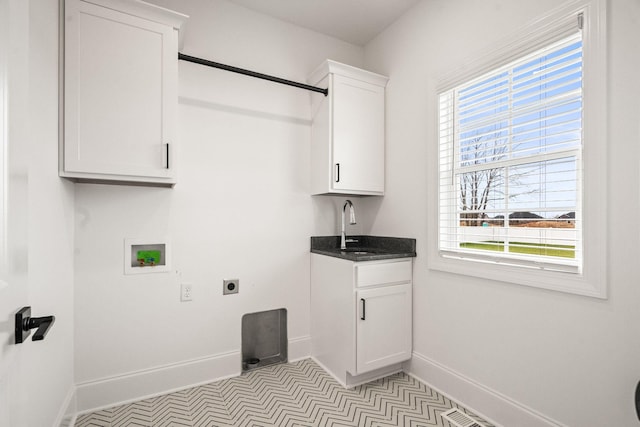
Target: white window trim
(592,279)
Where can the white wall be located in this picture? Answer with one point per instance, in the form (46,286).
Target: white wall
(241,209)
(558,358)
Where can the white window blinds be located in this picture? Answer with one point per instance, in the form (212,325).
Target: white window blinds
(510,162)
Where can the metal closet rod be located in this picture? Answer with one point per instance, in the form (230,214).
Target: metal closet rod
(250,73)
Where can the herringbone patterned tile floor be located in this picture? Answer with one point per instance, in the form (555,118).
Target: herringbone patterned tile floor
(299,394)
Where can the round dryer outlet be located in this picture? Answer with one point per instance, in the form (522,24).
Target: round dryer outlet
(230,286)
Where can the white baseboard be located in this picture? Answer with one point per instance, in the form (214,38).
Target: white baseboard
(328,371)
(66,417)
(348,381)
(299,348)
(133,386)
(355,381)
(475,396)
(126,388)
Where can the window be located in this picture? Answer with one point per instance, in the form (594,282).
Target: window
(516,147)
(510,150)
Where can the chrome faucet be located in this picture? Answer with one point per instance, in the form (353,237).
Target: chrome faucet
(352,220)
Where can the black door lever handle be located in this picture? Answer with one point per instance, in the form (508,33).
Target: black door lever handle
(43,324)
(24,324)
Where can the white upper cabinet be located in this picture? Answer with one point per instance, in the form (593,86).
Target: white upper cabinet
(347,131)
(120,92)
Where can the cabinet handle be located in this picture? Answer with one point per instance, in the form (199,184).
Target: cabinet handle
(337,172)
(364,307)
(167,152)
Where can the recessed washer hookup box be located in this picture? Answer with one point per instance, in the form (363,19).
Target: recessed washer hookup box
(146,256)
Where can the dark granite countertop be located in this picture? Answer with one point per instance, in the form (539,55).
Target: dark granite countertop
(367,248)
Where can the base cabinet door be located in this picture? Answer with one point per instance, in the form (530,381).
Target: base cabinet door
(383,326)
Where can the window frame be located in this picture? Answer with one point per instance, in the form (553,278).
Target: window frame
(591,280)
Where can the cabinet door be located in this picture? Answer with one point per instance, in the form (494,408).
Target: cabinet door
(358,135)
(383,326)
(120,93)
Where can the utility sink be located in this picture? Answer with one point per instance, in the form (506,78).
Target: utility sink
(362,251)
(357,250)
(370,248)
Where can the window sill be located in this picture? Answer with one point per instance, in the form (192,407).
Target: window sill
(573,283)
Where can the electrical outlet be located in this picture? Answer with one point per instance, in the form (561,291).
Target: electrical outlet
(186,292)
(230,286)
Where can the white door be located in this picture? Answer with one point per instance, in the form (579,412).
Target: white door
(13,209)
(383,327)
(36,220)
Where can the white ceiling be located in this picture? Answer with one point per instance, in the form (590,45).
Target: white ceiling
(354,21)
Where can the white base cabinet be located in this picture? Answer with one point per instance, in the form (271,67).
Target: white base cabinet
(347,131)
(120,92)
(361,317)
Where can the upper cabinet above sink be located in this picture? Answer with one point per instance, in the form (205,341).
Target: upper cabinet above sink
(347,131)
